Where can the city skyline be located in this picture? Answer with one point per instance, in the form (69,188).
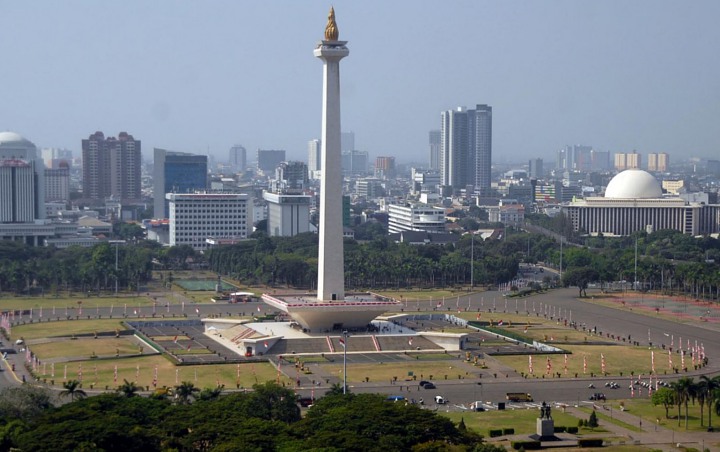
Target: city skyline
(201,79)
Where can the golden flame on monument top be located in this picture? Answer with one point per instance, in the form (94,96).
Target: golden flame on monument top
(331,29)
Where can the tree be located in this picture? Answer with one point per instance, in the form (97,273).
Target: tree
(210,393)
(711,386)
(683,389)
(593,420)
(24,402)
(128,388)
(72,389)
(185,392)
(580,277)
(664,397)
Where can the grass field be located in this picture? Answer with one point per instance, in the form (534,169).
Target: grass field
(65,328)
(142,369)
(644,408)
(523,421)
(86,347)
(386,371)
(423,295)
(58,306)
(618,359)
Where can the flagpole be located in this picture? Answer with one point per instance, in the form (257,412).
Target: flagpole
(345,337)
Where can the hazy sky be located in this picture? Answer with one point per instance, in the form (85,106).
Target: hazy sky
(203,75)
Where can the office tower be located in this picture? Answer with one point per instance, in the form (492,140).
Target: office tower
(288,213)
(385,167)
(434,141)
(22,182)
(314,158)
(111,167)
(575,158)
(57,182)
(54,156)
(176,172)
(331,263)
(238,158)
(347,141)
(291,176)
(600,160)
(197,217)
(629,160)
(536,170)
(466,148)
(355,162)
(269,159)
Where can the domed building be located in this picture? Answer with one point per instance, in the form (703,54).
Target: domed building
(634,202)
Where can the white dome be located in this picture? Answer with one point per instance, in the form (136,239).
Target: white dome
(12,138)
(633,184)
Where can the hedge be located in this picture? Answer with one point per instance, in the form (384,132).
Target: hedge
(508,431)
(590,442)
(494,433)
(527,445)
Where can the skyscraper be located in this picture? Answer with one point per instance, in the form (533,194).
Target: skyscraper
(331,263)
(314,157)
(466,148)
(238,158)
(535,168)
(22,188)
(269,159)
(176,172)
(385,167)
(111,167)
(434,141)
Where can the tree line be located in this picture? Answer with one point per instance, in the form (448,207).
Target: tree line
(267,418)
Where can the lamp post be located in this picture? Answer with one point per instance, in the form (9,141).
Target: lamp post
(117,244)
(345,338)
(472,259)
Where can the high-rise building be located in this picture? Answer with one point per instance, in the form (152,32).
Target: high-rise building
(385,167)
(314,158)
(176,172)
(575,158)
(466,148)
(238,158)
(630,160)
(54,156)
(347,141)
(57,182)
(22,182)
(354,162)
(291,176)
(536,170)
(288,214)
(658,162)
(269,159)
(434,141)
(111,167)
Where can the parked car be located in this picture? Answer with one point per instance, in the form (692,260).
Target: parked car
(429,385)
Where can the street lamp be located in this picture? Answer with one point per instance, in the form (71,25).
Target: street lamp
(117,243)
(345,338)
(472,259)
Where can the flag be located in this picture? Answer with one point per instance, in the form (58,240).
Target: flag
(530,366)
(175,340)
(266,344)
(584,364)
(669,359)
(155,377)
(549,366)
(500,323)
(258,308)
(189,345)
(566,370)
(342,342)
(602,362)
(410,341)
(115,374)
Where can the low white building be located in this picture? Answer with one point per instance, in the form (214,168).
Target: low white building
(195,217)
(415,217)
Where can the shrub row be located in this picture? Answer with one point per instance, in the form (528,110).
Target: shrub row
(526,445)
(590,442)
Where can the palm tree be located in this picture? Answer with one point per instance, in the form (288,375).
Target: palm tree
(72,389)
(211,393)
(185,391)
(683,393)
(712,397)
(128,388)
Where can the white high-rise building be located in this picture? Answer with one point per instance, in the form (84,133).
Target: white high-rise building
(196,217)
(415,217)
(314,158)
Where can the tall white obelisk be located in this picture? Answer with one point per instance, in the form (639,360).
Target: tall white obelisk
(331,263)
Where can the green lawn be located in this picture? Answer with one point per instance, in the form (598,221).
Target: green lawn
(86,347)
(523,421)
(65,328)
(618,359)
(101,373)
(422,370)
(59,304)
